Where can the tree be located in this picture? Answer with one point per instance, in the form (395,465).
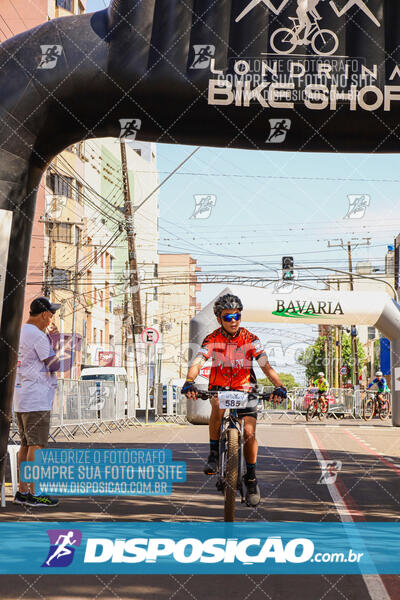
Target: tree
(287,380)
(314,360)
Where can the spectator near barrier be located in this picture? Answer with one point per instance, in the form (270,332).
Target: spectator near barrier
(35,388)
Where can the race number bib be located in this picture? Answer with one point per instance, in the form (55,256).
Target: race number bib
(233,399)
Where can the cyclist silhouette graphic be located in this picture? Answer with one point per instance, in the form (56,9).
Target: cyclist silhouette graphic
(303,8)
(62,549)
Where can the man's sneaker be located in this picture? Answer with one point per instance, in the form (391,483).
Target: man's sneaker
(42,501)
(212,463)
(253,495)
(20,498)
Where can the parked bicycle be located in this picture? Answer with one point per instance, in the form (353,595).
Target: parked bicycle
(318,408)
(377,405)
(231,463)
(285,39)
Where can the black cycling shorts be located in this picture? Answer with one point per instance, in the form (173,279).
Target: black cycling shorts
(241,412)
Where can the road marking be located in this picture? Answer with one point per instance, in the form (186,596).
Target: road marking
(374,452)
(374,583)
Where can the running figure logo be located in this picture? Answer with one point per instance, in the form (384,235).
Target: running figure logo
(279,130)
(204,203)
(358,204)
(202,56)
(330,470)
(62,547)
(129,128)
(50,56)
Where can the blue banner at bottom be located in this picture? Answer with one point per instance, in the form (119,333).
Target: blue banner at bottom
(213,548)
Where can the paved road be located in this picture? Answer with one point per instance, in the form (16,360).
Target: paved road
(290,479)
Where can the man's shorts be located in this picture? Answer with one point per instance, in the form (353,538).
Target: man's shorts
(33,427)
(241,412)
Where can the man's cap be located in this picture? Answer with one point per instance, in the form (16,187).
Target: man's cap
(40,305)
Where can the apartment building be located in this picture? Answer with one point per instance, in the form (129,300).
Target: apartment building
(177,305)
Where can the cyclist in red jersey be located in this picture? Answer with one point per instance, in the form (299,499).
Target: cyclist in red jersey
(232,350)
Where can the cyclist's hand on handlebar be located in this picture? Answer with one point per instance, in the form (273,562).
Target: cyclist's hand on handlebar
(189,389)
(279,393)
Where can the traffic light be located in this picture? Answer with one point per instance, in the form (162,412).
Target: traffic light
(287,267)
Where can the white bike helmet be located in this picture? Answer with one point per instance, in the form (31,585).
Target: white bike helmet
(321,374)
(379,374)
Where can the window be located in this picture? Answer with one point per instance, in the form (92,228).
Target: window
(101,336)
(94,335)
(371,333)
(95,255)
(67,4)
(60,186)
(101,296)
(102,260)
(62,232)
(61,279)
(94,295)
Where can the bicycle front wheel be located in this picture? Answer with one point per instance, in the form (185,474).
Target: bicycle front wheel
(369,409)
(384,410)
(283,41)
(311,411)
(231,473)
(324,42)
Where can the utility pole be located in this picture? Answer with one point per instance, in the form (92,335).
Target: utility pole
(125,325)
(137,323)
(74,309)
(354,348)
(48,269)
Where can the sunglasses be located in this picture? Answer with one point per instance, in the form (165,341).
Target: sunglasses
(232,317)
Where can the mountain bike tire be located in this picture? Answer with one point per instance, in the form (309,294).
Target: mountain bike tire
(231,474)
(311,411)
(369,409)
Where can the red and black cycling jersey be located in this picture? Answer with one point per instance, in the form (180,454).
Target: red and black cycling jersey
(232,358)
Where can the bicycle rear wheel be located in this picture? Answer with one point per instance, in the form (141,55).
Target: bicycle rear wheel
(231,474)
(369,409)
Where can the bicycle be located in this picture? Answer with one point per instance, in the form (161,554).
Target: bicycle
(285,39)
(374,406)
(231,462)
(318,408)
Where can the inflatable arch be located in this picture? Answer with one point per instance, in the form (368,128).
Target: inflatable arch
(304,306)
(256,74)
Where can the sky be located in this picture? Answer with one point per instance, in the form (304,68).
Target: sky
(271,204)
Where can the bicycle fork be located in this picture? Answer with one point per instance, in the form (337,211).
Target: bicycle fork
(231,423)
